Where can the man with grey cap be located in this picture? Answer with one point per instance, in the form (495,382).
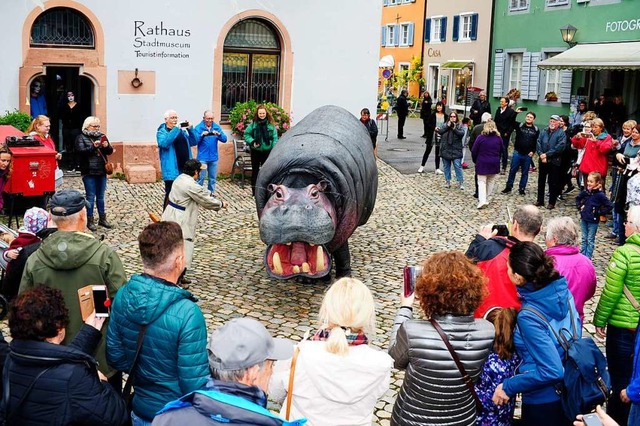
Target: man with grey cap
(550,146)
(241,357)
(70,259)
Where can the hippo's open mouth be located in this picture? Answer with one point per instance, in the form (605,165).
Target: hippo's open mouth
(297,258)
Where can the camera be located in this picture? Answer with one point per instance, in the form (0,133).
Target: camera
(503,230)
(410,274)
(212,133)
(184,124)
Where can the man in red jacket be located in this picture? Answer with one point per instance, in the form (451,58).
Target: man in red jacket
(491,253)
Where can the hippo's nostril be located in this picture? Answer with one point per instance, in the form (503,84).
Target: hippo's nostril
(308,207)
(283,207)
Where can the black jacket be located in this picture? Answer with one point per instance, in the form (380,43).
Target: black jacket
(477,109)
(402,106)
(526,139)
(69,393)
(91,162)
(425,108)
(505,121)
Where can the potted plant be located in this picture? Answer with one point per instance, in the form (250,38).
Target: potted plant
(243,112)
(551,97)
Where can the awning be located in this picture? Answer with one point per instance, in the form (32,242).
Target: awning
(596,56)
(456,64)
(386,62)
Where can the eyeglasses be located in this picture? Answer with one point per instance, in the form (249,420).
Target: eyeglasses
(173,117)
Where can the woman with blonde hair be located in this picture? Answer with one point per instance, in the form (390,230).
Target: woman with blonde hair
(486,154)
(338,377)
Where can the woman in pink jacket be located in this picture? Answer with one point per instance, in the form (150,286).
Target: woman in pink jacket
(562,244)
(597,145)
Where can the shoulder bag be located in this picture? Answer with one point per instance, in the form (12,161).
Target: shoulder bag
(108,165)
(292,372)
(127,394)
(626,290)
(465,377)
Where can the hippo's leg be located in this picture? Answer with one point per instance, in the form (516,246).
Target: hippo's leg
(342,259)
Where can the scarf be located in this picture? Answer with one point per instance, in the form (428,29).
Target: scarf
(352,339)
(261,133)
(92,135)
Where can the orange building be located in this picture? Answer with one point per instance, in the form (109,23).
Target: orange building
(401,39)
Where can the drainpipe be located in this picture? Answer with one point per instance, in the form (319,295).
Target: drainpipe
(424,18)
(493,10)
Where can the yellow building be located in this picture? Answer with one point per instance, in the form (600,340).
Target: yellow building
(401,39)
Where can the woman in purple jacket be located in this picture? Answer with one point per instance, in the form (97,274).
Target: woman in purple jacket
(562,244)
(486,155)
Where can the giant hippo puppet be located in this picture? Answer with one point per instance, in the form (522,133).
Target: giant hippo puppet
(317,186)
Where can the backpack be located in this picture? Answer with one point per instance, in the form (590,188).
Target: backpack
(586,382)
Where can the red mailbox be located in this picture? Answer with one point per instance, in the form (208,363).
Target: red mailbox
(34,170)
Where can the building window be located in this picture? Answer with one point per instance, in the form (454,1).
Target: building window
(404,35)
(518,5)
(553,79)
(392,2)
(436,30)
(465,27)
(515,70)
(61,26)
(391,35)
(404,66)
(557,2)
(250,64)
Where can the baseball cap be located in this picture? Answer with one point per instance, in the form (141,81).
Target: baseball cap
(244,342)
(555,117)
(67,202)
(35,220)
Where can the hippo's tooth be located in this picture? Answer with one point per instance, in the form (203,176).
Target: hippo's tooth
(289,243)
(319,259)
(277,265)
(296,269)
(312,245)
(306,268)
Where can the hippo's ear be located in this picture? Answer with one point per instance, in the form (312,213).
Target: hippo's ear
(323,185)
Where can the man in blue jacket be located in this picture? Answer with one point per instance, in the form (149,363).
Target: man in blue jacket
(550,147)
(241,357)
(208,133)
(174,142)
(173,355)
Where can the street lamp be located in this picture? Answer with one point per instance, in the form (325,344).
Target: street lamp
(568,33)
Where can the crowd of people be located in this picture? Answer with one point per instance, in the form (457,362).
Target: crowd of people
(479,340)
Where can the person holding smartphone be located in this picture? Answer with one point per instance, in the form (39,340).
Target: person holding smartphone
(209,133)
(451,134)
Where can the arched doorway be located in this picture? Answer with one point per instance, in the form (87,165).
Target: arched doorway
(63,49)
(251,64)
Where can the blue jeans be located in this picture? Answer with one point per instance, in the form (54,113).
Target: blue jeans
(589,231)
(457,166)
(212,172)
(522,162)
(619,351)
(95,186)
(138,421)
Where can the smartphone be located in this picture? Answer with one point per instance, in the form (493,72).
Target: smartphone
(410,274)
(184,124)
(100,299)
(503,230)
(591,419)
(524,109)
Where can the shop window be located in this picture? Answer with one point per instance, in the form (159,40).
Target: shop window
(515,71)
(250,64)
(462,79)
(518,5)
(62,26)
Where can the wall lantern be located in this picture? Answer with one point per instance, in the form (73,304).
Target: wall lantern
(568,33)
(136,82)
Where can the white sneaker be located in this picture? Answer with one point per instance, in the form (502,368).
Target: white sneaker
(420,169)
(439,172)
(461,187)
(481,205)
(447,185)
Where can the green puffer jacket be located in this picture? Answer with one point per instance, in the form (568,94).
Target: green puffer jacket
(173,358)
(624,267)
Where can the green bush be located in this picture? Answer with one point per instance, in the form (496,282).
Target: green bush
(243,112)
(18,119)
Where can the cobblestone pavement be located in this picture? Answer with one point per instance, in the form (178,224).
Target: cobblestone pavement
(415,215)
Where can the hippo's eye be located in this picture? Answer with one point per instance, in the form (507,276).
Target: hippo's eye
(314,193)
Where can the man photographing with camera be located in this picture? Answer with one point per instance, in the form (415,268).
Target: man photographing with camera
(209,133)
